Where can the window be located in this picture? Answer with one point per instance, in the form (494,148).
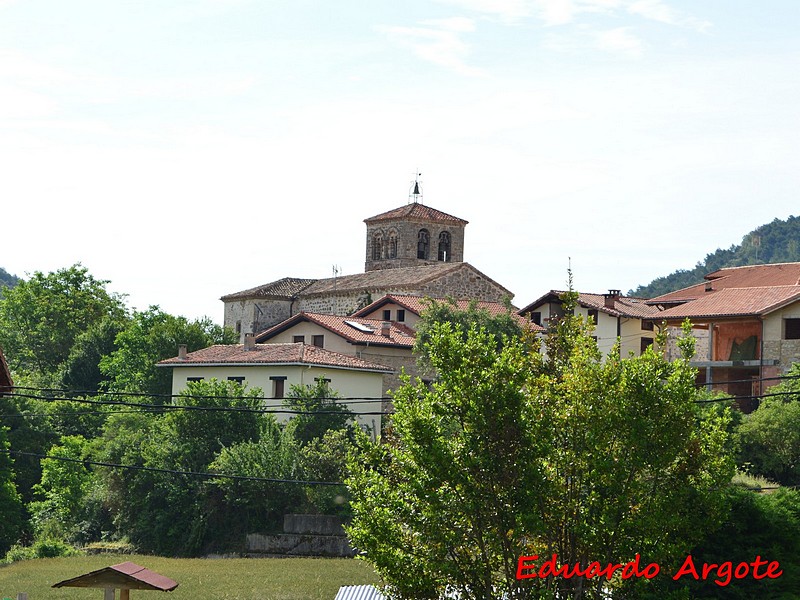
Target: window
(377,246)
(387,315)
(593,315)
(238,327)
(645,344)
(536,317)
(423,244)
(299,338)
(444,247)
(239,380)
(318,340)
(648,326)
(392,250)
(188,379)
(401,315)
(791,329)
(278,383)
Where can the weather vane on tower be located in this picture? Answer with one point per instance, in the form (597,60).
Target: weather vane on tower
(415,193)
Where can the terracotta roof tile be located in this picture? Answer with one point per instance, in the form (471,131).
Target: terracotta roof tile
(623,306)
(267,354)
(288,287)
(417,304)
(418,211)
(778,274)
(355,330)
(735,302)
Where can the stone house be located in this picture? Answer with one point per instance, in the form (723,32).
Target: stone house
(276,367)
(748,322)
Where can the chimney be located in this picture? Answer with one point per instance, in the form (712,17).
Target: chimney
(610,298)
(249,341)
(182,351)
(709,286)
(385,328)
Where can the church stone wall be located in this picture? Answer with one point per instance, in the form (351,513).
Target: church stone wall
(465,283)
(407,232)
(254,316)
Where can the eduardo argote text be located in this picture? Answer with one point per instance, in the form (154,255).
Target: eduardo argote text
(722,574)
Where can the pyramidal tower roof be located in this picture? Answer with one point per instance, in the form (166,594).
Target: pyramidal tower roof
(415,210)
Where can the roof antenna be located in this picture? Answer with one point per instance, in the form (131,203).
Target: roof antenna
(415,194)
(336,271)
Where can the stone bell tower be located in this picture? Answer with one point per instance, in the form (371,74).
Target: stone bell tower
(413,235)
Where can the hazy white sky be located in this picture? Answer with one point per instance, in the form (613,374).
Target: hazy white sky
(185,149)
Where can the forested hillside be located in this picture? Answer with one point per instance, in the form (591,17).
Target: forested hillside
(6,280)
(774,242)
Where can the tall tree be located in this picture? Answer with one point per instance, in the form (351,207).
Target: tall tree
(151,336)
(40,318)
(513,453)
(11,522)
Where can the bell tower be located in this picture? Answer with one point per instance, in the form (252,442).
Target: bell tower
(413,235)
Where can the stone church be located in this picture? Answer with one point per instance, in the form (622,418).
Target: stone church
(413,250)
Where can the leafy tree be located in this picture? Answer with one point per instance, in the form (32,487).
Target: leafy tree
(81,370)
(318,409)
(41,318)
(513,453)
(149,337)
(169,512)
(61,491)
(11,521)
(325,459)
(769,440)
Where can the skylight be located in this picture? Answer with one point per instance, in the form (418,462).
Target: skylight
(361,327)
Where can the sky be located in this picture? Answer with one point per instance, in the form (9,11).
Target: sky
(186,149)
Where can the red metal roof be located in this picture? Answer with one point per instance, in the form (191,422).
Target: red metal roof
(124,575)
(417,211)
(268,354)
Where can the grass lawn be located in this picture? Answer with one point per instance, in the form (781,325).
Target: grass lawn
(198,579)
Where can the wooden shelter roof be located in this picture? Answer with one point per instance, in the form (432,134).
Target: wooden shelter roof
(125,575)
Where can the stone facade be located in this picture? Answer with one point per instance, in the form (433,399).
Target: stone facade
(394,244)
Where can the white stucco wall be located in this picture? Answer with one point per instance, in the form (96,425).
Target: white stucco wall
(351,384)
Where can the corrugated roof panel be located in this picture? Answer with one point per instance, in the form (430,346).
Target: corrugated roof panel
(358,592)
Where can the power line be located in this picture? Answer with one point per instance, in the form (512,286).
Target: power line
(170,471)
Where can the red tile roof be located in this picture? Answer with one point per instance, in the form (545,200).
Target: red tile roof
(355,330)
(417,304)
(751,276)
(623,306)
(127,574)
(269,354)
(735,302)
(416,211)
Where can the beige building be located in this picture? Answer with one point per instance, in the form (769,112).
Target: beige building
(276,367)
(615,317)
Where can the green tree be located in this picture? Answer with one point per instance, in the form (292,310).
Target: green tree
(169,511)
(40,318)
(61,491)
(11,521)
(318,411)
(81,370)
(513,453)
(149,337)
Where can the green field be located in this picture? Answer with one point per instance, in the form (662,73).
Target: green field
(225,579)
